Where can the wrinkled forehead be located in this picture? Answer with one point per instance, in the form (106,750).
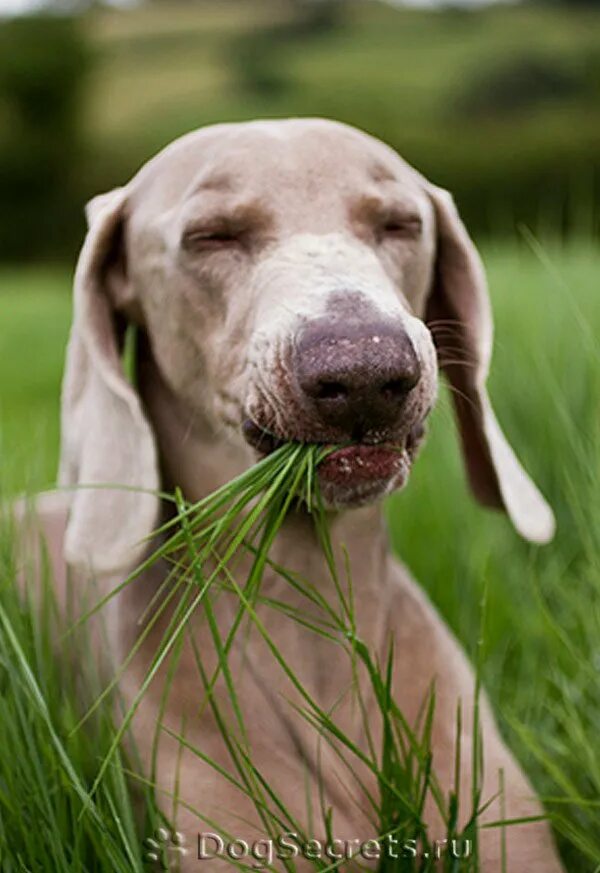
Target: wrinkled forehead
(300,166)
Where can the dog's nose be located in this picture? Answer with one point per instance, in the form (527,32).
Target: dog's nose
(357,376)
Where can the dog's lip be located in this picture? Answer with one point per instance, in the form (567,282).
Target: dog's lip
(360,464)
(265,442)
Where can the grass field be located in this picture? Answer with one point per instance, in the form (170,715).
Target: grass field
(160,71)
(542,627)
(499,103)
(523,79)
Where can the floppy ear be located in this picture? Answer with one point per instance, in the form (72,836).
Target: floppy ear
(106,438)
(459,316)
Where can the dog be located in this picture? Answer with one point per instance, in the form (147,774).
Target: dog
(289,280)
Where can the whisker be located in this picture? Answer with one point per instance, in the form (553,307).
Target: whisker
(445,321)
(454,390)
(459,362)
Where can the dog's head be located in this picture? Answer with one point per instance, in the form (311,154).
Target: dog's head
(295,280)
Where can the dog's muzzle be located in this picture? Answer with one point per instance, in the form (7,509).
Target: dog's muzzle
(354,385)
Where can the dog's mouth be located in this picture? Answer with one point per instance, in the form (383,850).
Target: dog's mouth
(352,474)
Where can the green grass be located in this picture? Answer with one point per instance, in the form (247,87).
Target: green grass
(48,818)
(93,824)
(35,314)
(540,651)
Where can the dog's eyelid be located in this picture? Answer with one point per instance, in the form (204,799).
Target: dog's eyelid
(209,232)
(402,217)
(401,224)
(212,233)
(215,224)
(388,219)
(241,224)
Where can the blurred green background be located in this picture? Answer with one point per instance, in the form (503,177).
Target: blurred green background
(499,103)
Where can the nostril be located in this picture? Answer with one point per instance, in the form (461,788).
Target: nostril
(330,391)
(397,389)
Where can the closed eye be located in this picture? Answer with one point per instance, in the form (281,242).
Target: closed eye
(238,227)
(401,227)
(210,239)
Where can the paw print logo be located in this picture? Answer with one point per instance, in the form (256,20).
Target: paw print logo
(165,849)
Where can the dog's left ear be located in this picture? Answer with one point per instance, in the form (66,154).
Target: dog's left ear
(106,438)
(459,317)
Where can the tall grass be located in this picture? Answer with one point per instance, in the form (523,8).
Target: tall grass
(48,817)
(202,542)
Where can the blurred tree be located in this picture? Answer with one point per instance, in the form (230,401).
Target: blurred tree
(521,83)
(43,66)
(257,53)
(582,3)
(318,16)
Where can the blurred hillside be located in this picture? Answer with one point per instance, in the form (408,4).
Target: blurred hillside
(501,104)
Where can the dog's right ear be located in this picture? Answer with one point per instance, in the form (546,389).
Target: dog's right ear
(106,438)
